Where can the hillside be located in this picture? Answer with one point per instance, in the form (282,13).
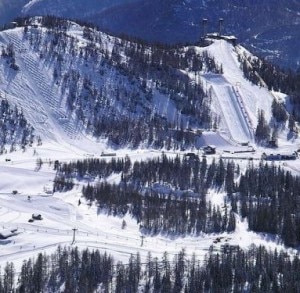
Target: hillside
(105,149)
(132,84)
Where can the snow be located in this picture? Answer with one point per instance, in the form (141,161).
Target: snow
(30,4)
(213,138)
(61,213)
(228,101)
(235,99)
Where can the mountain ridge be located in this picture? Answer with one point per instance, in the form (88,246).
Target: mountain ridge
(262,25)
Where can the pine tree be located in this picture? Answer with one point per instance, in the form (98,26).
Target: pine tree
(229,179)
(292,123)
(9,278)
(262,132)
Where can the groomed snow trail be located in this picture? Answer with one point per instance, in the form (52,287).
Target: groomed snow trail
(232,111)
(234,98)
(36,89)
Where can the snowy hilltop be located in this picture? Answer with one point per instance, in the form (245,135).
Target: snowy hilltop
(269,27)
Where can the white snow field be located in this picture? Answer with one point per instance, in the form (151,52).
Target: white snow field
(235,100)
(61,213)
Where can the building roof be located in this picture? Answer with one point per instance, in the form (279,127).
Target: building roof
(211,146)
(5,233)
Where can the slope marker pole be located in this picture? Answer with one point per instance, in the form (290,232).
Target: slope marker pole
(74,234)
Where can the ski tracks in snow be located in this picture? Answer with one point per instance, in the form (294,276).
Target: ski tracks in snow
(36,74)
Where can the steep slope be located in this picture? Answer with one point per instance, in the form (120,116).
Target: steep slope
(80,80)
(29,81)
(238,98)
(76,82)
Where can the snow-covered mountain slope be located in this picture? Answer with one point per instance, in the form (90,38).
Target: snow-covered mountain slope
(32,87)
(80,89)
(236,98)
(68,83)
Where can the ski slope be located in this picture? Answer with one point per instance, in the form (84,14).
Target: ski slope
(32,89)
(233,116)
(234,99)
(34,79)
